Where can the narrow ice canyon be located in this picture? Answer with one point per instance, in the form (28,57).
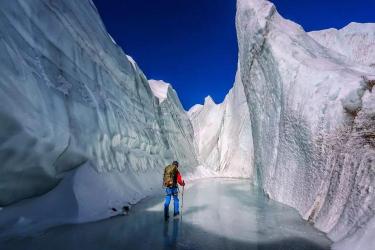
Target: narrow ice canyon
(83,130)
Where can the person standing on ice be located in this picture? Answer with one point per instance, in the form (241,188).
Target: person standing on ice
(170,179)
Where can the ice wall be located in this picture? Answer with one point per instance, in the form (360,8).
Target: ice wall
(311,112)
(356,41)
(222,134)
(72,100)
(176,127)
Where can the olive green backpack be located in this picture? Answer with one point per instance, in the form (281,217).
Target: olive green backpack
(170,176)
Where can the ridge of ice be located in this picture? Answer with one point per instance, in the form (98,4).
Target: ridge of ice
(209,101)
(194,109)
(356,41)
(159,89)
(222,134)
(131,60)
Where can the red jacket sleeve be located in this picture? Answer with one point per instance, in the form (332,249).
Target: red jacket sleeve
(179,179)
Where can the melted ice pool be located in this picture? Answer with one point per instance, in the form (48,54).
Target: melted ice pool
(217,214)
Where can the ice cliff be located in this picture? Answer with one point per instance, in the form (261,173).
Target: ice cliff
(81,129)
(222,134)
(312,120)
(305,103)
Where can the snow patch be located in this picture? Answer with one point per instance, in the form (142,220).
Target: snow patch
(209,101)
(159,89)
(356,41)
(131,60)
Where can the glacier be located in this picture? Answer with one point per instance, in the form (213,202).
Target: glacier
(222,134)
(81,129)
(84,131)
(311,112)
(309,123)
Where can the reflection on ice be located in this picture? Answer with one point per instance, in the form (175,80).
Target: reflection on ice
(218,214)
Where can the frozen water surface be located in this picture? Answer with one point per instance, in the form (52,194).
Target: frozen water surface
(217,214)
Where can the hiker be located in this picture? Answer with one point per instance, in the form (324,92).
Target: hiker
(171,177)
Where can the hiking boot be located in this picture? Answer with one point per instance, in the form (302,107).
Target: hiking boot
(166,214)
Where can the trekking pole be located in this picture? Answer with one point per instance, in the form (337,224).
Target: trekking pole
(182,200)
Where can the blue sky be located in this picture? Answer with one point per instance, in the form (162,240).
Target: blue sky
(192,43)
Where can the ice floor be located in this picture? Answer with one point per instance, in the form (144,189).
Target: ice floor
(217,214)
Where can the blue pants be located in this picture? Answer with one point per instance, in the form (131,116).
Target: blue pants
(171,191)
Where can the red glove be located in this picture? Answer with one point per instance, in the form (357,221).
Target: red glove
(183,183)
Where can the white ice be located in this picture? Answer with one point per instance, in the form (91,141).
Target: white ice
(356,41)
(311,111)
(159,88)
(222,134)
(81,130)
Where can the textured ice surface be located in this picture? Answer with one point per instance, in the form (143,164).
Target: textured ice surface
(222,134)
(356,41)
(217,214)
(71,98)
(311,111)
